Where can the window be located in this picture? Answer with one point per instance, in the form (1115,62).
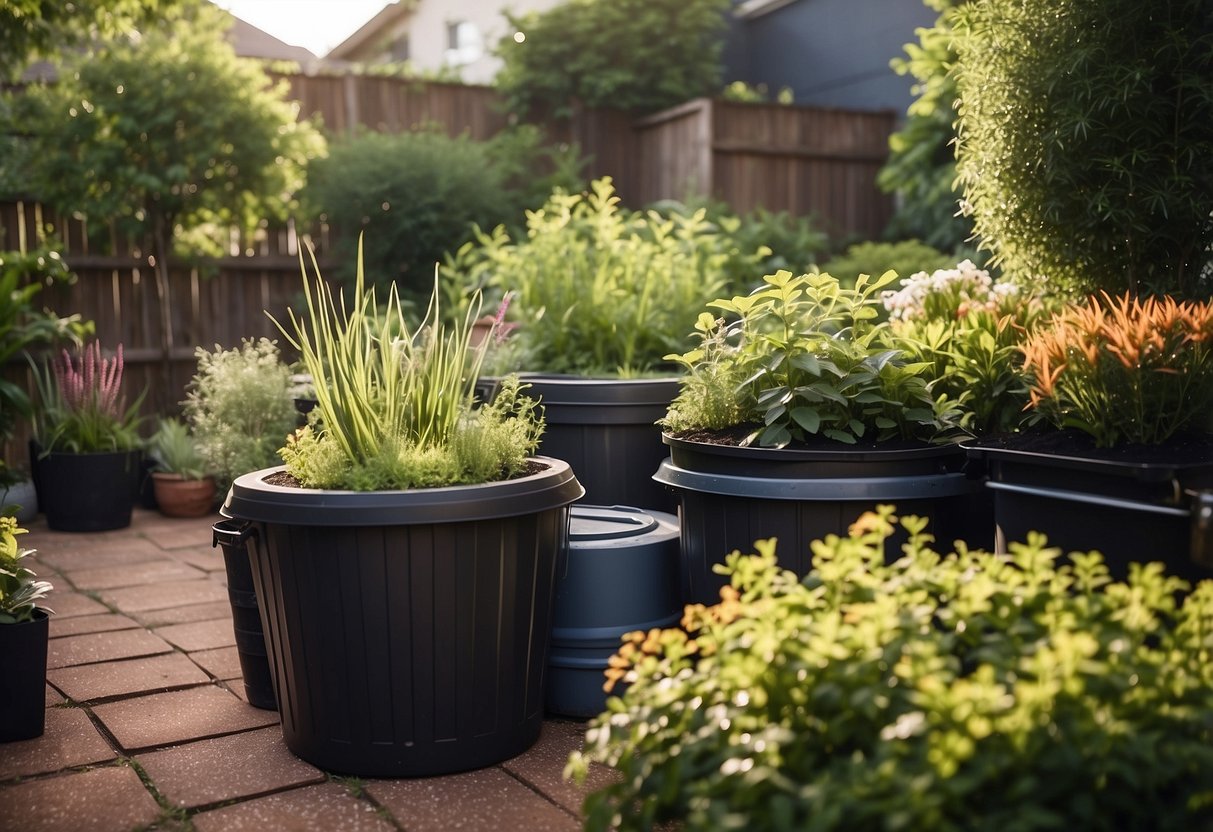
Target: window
(399,50)
(463,43)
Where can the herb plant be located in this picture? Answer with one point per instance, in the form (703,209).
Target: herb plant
(394,403)
(804,357)
(597,290)
(175,451)
(1124,370)
(943,692)
(19,591)
(240,408)
(82,408)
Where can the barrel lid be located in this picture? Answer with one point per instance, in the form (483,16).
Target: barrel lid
(588,523)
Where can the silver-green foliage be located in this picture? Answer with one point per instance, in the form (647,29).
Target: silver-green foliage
(941,692)
(802,357)
(394,403)
(175,452)
(240,408)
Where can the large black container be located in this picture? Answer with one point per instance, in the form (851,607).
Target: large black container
(232,536)
(605,429)
(23,682)
(1127,510)
(622,576)
(86,492)
(408,631)
(732,496)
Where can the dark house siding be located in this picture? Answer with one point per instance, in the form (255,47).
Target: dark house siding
(831,53)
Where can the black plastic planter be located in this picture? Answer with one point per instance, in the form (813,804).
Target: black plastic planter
(605,429)
(408,631)
(732,496)
(87,492)
(23,682)
(622,576)
(232,536)
(1129,511)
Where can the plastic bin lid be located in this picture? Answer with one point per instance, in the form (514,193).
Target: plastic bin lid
(590,523)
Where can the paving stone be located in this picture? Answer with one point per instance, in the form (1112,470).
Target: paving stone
(542,766)
(98,800)
(70,739)
(320,808)
(82,624)
(90,682)
(485,799)
(181,533)
(184,614)
(164,595)
(199,635)
(53,697)
(209,558)
(98,554)
(136,574)
(167,718)
(100,647)
(68,604)
(223,663)
(227,768)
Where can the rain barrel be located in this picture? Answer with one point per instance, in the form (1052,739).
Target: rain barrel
(622,575)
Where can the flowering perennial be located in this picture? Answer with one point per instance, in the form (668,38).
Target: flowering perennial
(1124,369)
(949,294)
(93,383)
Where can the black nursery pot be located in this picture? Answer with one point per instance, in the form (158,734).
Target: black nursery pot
(731,496)
(23,682)
(606,430)
(1129,509)
(232,537)
(408,631)
(86,492)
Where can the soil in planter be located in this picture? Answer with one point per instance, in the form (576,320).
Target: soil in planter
(735,436)
(287,480)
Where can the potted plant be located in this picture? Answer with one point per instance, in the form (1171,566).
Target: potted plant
(405,557)
(600,296)
(24,327)
(942,691)
(86,456)
(24,633)
(797,411)
(1121,457)
(182,485)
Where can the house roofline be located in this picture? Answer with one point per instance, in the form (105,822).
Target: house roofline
(391,13)
(750,9)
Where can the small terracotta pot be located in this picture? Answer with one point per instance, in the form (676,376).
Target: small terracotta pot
(178,497)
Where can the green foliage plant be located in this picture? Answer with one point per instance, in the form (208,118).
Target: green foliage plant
(19,591)
(805,358)
(175,452)
(597,290)
(970,329)
(639,55)
(1086,140)
(81,407)
(23,326)
(394,403)
(1124,370)
(871,257)
(419,194)
(921,168)
(239,408)
(167,130)
(947,692)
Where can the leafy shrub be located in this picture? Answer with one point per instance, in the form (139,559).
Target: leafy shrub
(19,592)
(1124,370)
(640,55)
(963,691)
(1086,140)
(394,403)
(805,357)
(597,290)
(870,258)
(240,408)
(419,195)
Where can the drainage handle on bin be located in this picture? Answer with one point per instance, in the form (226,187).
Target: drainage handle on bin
(1202,528)
(237,535)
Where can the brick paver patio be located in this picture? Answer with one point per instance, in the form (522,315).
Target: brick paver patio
(147,728)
